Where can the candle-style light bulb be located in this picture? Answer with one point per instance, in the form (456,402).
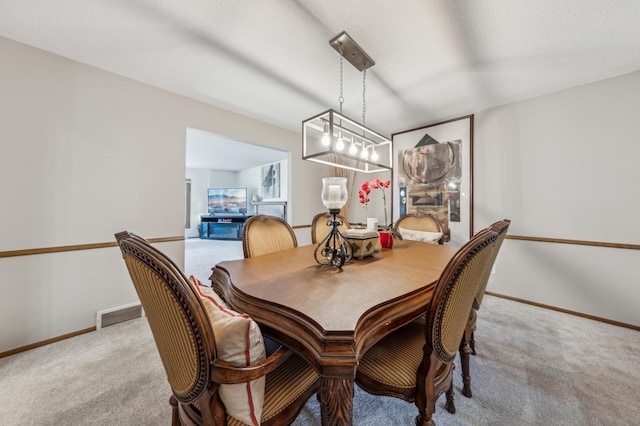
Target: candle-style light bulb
(326,139)
(340,143)
(374,154)
(364,153)
(353,149)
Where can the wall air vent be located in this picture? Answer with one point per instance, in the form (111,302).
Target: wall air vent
(118,314)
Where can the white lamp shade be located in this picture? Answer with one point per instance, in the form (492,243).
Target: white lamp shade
(334,192)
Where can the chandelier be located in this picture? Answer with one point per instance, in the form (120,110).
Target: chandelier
(336,140)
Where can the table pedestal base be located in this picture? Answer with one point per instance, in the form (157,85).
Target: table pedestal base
(336,401)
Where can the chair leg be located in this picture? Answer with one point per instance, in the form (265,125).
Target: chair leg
(466,377)
(425,411)
(424,417)
(420,421)
(473,318)
(175,416)
(465,350)
(451,407)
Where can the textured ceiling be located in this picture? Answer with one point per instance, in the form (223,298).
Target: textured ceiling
(271,59)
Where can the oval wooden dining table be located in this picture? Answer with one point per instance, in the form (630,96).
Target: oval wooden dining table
(332,316)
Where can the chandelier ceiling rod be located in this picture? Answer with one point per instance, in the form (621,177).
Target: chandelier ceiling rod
(352,52)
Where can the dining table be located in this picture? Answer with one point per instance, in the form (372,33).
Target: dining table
(329,315)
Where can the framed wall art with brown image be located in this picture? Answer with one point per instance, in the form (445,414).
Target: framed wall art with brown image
(433,174)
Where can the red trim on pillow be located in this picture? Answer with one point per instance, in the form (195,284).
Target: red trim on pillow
(252,409)
(256,422)
(197,284)
(216,304)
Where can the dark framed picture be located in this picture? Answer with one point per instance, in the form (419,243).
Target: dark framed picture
(433,174)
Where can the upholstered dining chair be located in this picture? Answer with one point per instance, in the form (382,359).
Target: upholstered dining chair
(264,234)
(204,346)
(415,362)
(320,229)
(468,345)
(423,223)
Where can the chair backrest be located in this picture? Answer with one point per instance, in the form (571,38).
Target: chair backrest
(320,227)
(421,222)
(501,228)
(177,318)
(264,234)
(453,297)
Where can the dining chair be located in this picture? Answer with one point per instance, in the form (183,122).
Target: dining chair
(204,346)
(415,362)
(264,234)
(320,227)
(468,345)
(427,227)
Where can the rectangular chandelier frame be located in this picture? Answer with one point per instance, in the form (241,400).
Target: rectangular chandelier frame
(329,127)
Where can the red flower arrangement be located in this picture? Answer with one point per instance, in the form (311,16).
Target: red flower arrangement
(363,194)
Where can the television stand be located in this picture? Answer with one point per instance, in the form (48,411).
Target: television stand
(222,227)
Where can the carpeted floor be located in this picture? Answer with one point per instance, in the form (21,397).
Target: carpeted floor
(534,366)
(202,255)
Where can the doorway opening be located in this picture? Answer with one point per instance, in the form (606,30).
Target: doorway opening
(217,161)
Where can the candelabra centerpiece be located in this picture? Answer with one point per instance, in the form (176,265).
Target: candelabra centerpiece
(334,249)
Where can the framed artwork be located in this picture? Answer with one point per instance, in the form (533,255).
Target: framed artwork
(270,186)
(433,174)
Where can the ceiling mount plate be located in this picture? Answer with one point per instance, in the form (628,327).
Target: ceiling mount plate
(351,51)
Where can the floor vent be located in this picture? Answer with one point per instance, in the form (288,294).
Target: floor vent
(117,315)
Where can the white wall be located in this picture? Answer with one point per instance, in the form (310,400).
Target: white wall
(85,154)
(359,213)
(252,180)
(221,179)
(565,166)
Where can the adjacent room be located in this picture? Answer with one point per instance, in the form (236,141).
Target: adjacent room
(319,213)
(218,167)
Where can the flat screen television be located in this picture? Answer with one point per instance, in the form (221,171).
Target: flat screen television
(227,200)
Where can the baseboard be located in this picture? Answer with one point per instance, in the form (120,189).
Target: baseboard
(515,299)
(45,342)
(104,318)
(565,311)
